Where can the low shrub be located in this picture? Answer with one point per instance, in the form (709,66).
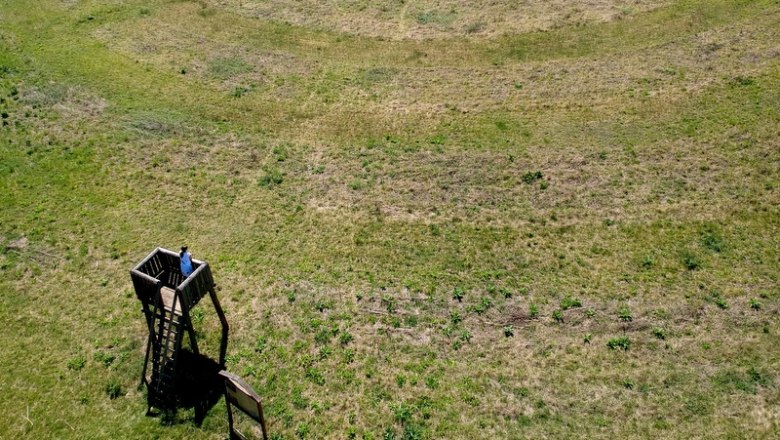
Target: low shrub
(569,302)
(620,343)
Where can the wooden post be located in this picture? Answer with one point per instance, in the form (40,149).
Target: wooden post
(225,329)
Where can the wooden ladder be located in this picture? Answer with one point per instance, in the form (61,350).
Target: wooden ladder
(165,343)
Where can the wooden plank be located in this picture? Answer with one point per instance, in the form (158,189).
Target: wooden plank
(167,297)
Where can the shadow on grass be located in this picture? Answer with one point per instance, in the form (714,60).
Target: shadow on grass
(198,387)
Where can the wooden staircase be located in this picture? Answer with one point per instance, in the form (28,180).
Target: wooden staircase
(165,338)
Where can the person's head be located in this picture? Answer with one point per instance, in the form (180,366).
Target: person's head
(183,250)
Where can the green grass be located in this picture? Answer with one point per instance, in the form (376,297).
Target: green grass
(424,222)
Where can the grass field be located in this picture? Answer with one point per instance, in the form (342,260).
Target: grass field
(427,220)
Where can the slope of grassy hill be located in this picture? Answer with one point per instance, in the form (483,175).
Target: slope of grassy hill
(426,219)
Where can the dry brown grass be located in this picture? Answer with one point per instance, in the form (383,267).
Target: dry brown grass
(438,19)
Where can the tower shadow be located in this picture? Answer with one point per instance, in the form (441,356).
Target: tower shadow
(198,385)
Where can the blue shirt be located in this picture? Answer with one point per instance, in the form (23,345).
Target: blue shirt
(186,264)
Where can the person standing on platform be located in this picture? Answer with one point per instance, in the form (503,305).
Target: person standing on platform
(186,262)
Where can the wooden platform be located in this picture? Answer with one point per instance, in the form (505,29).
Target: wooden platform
(167,297)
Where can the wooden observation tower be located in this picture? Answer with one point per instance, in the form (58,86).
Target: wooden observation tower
(167,297)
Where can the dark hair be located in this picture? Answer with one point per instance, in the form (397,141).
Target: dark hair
(183,250)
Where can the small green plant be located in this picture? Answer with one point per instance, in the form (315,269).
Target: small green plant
(302,430)
(757,377)
(425,17)
(455,318)
(509,331)
(690,260)
(197,316)
(458,293)
(755,304)
(345,338)
(569,302)
(261,343)
(322,337)
(114,390)
(624,314)
(77,363)
(412,432)
(716,298)
(315,376)
(587,338)
(522,392)
(629,384)
(104,358)
(484,304)
(438,139)
(533,311)
(402,412)
(558,315)
(620,343)
(272,177)
(713,242)
(743,81)
(589,313)
(531,177)
(389,434)
(659,333)
(389,304)
(465,335)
